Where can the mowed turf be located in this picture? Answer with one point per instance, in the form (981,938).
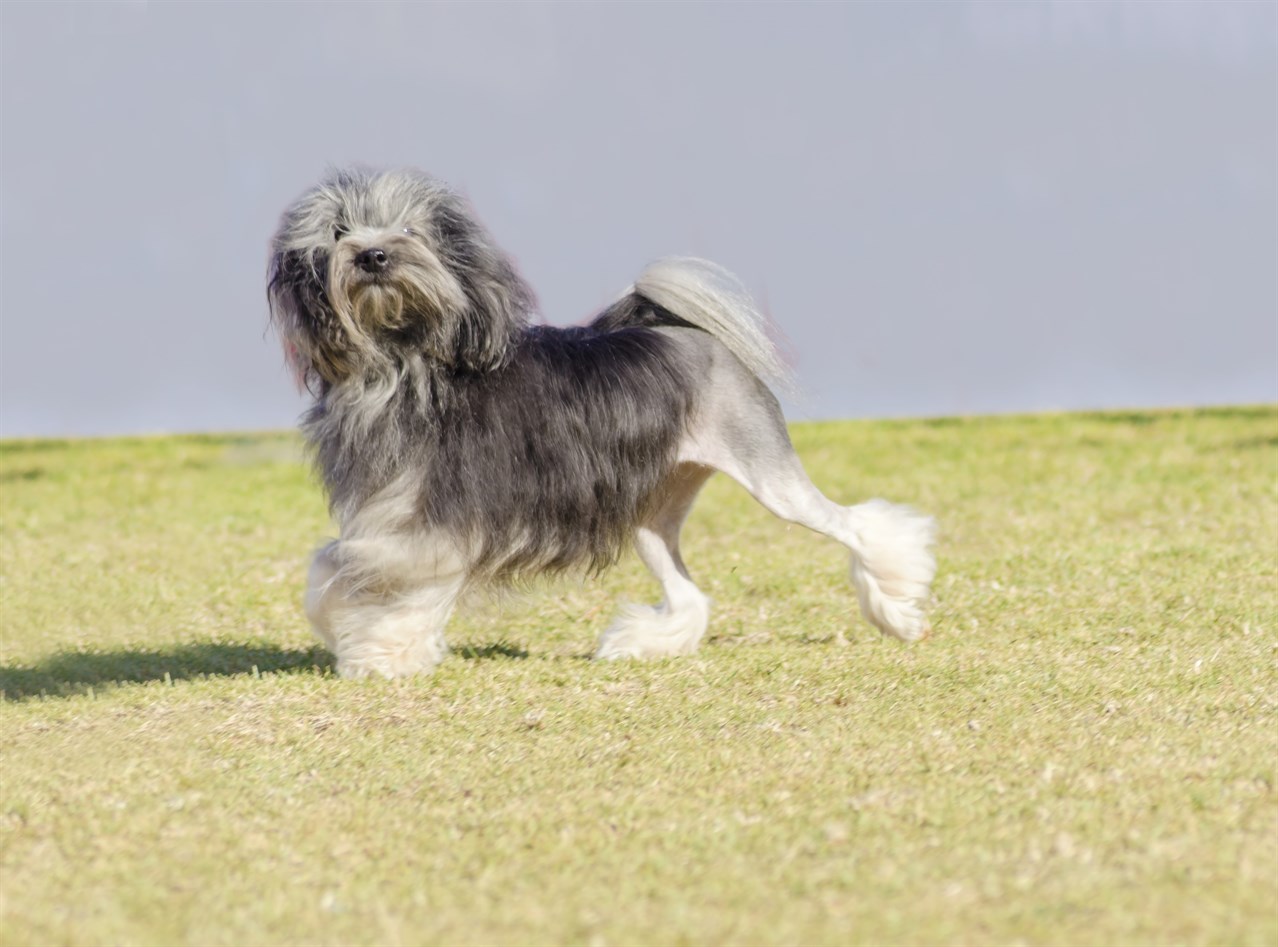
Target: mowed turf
(1083,753)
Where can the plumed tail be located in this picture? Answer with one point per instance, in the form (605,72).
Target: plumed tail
(705,295)
(892,566)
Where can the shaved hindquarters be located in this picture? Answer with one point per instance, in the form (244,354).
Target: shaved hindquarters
(741,431)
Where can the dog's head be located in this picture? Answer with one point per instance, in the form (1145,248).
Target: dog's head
(369,268)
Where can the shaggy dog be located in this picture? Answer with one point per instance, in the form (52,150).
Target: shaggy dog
(462,444)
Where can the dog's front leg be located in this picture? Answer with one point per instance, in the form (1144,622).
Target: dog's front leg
(375,628)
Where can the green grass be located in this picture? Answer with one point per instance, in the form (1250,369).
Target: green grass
(1083,753)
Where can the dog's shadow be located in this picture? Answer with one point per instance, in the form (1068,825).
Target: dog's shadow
(488,652)
(74,673)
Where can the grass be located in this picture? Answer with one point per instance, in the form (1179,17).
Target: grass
(1083,753)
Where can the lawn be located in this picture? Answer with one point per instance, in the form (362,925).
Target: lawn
(1083,753)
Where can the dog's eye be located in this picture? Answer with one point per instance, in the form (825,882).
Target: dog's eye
(410,231)
(339,232)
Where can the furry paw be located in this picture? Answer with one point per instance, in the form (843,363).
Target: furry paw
(640,631)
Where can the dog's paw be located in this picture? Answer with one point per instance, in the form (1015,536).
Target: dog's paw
(640,631)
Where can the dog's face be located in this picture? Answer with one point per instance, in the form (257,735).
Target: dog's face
(369,268)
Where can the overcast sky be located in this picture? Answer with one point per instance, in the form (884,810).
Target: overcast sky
(948,208)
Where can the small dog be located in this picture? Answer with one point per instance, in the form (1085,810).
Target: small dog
(461,444)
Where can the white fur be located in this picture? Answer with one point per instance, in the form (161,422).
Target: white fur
(373,628)
(677,625)
(644,631)
(379,597)
(711,298)
(892,566)
(396,637)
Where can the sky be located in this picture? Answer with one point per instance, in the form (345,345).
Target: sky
(947,208)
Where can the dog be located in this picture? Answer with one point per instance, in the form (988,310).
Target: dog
(462,444)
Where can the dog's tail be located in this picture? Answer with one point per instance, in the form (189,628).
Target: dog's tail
(705,295)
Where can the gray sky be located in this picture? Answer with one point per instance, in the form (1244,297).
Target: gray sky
(948,208)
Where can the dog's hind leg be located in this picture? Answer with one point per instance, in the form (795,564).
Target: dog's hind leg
(742,432)
(677,625)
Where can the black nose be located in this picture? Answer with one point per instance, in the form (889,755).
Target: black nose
(373,260)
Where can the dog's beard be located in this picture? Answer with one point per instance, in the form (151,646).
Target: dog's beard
(415,287)
(382,305)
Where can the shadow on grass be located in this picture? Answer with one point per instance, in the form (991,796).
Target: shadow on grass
(71,673)
(488,652)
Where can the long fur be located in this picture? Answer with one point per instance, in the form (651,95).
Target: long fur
(460,442)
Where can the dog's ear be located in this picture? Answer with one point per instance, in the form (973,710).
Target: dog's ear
(310,332)
(498,301)
(499,304)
